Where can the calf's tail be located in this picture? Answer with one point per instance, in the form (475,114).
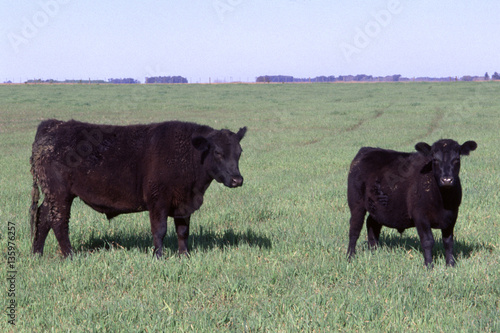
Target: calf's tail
(35,196)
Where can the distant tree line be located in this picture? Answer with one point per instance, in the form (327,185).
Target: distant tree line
(275,78)
(370,78)
(123,81)
(281,79)
(65,81)
(331,78)
(113,81)
(166,79)
(157,79)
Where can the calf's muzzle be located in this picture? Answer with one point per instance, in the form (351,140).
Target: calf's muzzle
(446,181)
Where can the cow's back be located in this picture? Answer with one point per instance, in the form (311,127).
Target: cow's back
(75,147)
(370,164)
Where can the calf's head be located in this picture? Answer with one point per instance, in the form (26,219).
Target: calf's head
(445,159)
(221,152)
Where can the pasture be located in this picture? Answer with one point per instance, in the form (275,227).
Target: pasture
(271,255)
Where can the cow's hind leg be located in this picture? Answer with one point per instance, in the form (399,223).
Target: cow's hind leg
(182,229)
(53,214)
(373,229)
(356,225)
(42,228)
(59,216)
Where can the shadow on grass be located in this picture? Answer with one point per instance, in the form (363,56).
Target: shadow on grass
(461,249)
(201,239)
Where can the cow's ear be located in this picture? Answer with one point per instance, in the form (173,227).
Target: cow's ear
(201,143)
(241,133)
(423,148)
(467,147)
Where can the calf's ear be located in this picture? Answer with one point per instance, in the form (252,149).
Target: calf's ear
(467,147)
(201,143)
(423,148)
(241,133)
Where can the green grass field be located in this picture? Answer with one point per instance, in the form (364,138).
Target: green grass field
(269,256)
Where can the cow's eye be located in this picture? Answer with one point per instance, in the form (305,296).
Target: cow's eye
(218,154)
(455,161)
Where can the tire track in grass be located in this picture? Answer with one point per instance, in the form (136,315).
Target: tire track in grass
(431,128)
(433,125)
(378,113)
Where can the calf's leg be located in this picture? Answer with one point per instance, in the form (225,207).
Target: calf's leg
(182,229)
(448,246)
(426,241)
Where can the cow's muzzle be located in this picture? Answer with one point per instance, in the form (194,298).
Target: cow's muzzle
(447,181)
(236,181)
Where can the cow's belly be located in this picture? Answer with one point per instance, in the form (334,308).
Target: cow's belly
(114,207)
(396,221)
(390,210)
(111,201)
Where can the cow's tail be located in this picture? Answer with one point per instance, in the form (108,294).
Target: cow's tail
(35,196)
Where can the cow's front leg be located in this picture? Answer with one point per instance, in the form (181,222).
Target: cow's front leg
(448,246)
(426,241)
(182,229)
(158,219)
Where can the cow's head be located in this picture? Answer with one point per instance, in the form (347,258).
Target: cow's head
(221,152)
(445,158)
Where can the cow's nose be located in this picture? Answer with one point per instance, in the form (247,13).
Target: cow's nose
(447,181)
(236,181)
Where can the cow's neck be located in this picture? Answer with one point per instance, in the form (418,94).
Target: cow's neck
(202,183)
(451,196)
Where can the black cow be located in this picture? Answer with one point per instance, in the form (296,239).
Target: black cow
(404,190)
(164,168)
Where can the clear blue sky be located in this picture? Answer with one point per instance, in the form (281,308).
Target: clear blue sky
(242,39)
